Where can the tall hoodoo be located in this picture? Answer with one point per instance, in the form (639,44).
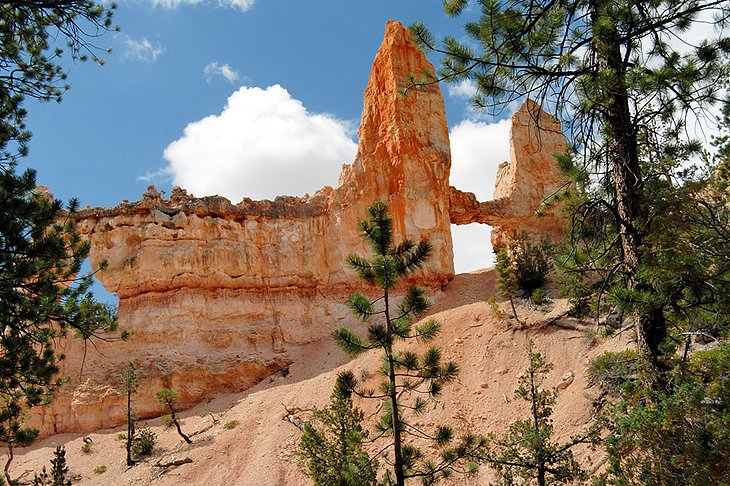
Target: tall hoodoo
(219,294)
(404,152)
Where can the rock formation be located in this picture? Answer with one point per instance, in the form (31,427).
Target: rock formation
(218,294)
(523,183)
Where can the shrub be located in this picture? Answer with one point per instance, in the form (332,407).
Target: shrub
(143,443)
(532,261)
(86,448)
(100,469)
(230,425)
(539,297)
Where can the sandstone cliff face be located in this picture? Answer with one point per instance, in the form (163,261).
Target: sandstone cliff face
(217,294)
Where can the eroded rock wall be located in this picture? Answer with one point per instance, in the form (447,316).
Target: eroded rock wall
(217,294)
(523,184)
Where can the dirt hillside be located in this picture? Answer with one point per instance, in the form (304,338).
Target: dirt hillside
(258,446)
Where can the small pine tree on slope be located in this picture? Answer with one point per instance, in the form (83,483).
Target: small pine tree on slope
(333,439)
(404,372)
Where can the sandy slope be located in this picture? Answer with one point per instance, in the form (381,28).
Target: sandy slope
(261,449)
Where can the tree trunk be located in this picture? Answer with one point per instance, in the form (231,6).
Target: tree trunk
(177,424)
(130,428)
(623,160)
(7,464)
(536,424)
(397,450)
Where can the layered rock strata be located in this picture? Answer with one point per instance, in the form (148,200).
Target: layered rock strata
(218,295)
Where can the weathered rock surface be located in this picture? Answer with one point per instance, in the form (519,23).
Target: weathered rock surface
(523,184)
(217,294)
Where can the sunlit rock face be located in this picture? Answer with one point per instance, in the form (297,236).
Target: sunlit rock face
(220,295)
(523,184)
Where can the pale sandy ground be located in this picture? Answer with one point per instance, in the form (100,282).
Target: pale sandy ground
(261,449)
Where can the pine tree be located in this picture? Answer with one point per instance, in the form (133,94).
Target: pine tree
(679,436)
(610,72)
(332,442)
(527,453)
(507,283)
(404,371)
(41,295)
(59,469)
(130,383)
(168,398)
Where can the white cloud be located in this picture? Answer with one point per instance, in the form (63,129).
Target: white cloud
(265,143)
(477,149)
(161,175)
(466,88)
(142,50)
(241,5)
(223,70)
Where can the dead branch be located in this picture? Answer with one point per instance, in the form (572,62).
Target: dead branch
(292,418)
(573,326)
(173,463)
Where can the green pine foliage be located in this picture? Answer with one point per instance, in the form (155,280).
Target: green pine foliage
(527,453)
(332,444)
(532,261)
(676,436)
(41,295)
(508,285)
(143,443)
(59,469)
(405,373)
(168,398)
(523,269)
(611,73)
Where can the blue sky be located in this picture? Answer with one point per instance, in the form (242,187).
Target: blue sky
(183,72)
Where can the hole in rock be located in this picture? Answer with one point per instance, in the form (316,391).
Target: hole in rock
(472,247)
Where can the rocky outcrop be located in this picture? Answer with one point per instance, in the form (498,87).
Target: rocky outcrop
(523,184)
(217,295)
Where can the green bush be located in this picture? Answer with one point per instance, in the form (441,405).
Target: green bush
(532,261)
(143,443)
(539,297)
(232,424)
(86,448)
(100,469)
(614,370)
(678,435)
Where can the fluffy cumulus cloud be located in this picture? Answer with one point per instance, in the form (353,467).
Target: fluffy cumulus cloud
(225,71)
(465,88)
(263,144)
(241,5)
(477,149)
(142,49)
